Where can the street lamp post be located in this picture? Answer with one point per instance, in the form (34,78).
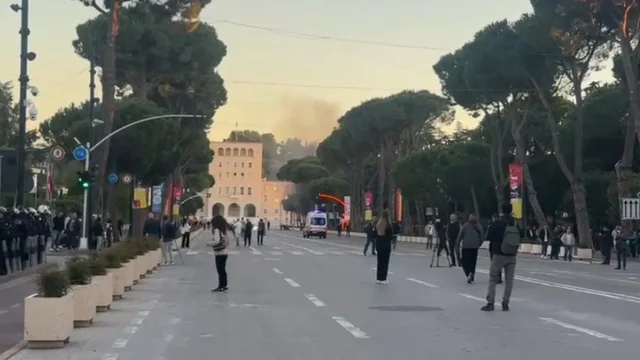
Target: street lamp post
(84,240)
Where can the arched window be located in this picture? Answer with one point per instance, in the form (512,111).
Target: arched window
(243,152)
(227,152)
(220,152)
(250,152)
(235,152)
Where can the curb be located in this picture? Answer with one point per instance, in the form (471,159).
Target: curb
(13,350)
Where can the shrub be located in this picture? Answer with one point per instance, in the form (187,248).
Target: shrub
(111,258)
(152,243)
(78,271)
(52,283)
(126,250)
(97,265)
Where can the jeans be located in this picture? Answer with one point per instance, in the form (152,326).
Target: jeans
(621,253)
(568,251)
(260,237)
(454,251)
(499,262)
(544,248)
(247,238)
(221,268)
(166,252)
(469,260)
(371,241)
(56,235)
(384,254)
(186,238)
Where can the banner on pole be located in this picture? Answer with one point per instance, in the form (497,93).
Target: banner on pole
(515,189)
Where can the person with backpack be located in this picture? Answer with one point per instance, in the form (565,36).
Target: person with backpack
(504,240)
(470,239)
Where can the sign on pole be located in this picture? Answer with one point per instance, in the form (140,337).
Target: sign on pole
(347,206)
(126,178)
(113,178)
(630,209)
(57,153)
(80,153)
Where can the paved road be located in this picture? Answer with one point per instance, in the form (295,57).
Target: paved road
(313,299)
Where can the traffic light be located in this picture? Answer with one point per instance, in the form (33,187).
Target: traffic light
(85,179)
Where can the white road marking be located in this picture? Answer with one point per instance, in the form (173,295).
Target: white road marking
(631,277)
(168,338)
(143,313)
(120,343)
(357,333)
(306,249)
(423,283)
(276,248)
(297,253)
(233,252)
(137,321)
(336,252)
(210,253)
(315,300)
(469,296)
(356,252)
(277,271)
(272,259)
(397,253)
(130,329)
(376,269)
(276,253)
(206,335)
(192,253)
(175,320)
(593,333)
(3,312)
(15,306)
(110,357)
(610,295)
(291,282)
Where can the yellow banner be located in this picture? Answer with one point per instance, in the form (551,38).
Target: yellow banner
(517,208)
(368,215)
(176,210)
(140,198)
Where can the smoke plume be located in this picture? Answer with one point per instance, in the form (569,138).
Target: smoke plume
(306,118)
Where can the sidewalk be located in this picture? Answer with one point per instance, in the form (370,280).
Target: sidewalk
(12,294)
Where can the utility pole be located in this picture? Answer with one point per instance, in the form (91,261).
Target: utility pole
(25,56)
(92,102)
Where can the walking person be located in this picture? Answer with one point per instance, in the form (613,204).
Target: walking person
(384,237)
(98,232)
(470,239)
(441,236)
(370,231)
(452,231)
(605,245)
(221,237)
(261,231)
(185,229)
(430,232)
(545,237)
(504,240)
(238,231)
(569,242)
(248,228)
(169,231)
(621,249)
(556,243)
(494,217)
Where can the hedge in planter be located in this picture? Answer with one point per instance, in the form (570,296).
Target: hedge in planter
(84,290)
(126,251)
(113,262)
(48,315)
(104,282)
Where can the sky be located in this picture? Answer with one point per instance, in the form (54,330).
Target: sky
(290,85)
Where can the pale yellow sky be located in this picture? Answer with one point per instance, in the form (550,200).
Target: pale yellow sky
(256,56)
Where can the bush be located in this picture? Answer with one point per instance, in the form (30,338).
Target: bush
(52,283)
(97,265)
(79,271)
(111,258)
(152,243)
(126,251)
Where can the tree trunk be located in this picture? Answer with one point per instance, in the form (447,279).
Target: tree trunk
(631,79)
(381,182)
(582,214)
(624,170)
(494,172)
(474,199)
(420,216)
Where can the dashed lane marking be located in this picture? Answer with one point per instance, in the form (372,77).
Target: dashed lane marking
(277,271)
(297,253)
(423,283)
(590,332)
(276,253)
(2,312)
(15,306)
(110,357)
(291,282)
(130,330)
(306,249)
(469,296)
(315,300)
(120,343)
(357,333)
(192,253)
(271,259)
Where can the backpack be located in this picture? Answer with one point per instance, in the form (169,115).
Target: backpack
(510,240)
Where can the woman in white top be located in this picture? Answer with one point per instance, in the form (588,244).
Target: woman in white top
(186,233)
(221,237)
(569,241)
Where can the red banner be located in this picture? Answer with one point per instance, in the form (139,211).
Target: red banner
(368,199)
(515,181)
(177,193)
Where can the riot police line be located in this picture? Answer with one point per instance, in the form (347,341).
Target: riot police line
(23,238)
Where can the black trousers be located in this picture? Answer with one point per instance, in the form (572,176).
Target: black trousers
(452,252)
(186,240)
(545,246)
(442,245)
(384,254)
(469,260)
(247,238)
(260,237)
(221,268)
(606,253)
(371,241)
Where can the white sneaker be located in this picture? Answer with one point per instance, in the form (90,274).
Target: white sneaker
(385,282)
(172,263)
(378,282)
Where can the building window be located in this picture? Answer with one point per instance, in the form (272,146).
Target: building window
(220,175)
(241,165)
(248,191)
(249,165)
(265,211)
(219,164)
(241,175)
(226,190)
(235,152)
(265,198)
(242,191)
(219,191)
(235,164)
(235,175)
(235,190)
(227,175)
(220,152)
(243,152)
(227,152)
(251,152)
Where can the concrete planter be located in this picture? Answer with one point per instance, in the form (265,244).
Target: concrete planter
(584,254)
(138,266)
(536,249)
(48,322)
(119,277)
(158,257)
(150,261)
(525,248)
(105,292)
(129,274)
(86,298)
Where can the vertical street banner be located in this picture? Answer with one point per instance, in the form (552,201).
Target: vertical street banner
(368,201)
(156,199)
(347,206)
(398,208)
(140,198)
(515,189)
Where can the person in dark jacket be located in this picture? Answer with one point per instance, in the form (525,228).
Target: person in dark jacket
(248,228)
(370,231)
(606,243)
(452,231)
(262,229)
(152,227)
(442,238)
(169,233)
(500,261)
(470,239)
(98,232)
(494,218)
(58,231)
(622,248)
(384,237)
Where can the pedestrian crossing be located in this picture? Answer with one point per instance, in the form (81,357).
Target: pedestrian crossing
(262,252)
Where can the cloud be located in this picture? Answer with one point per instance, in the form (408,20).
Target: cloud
(306,118)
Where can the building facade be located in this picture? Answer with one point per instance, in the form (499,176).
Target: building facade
(238,191)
